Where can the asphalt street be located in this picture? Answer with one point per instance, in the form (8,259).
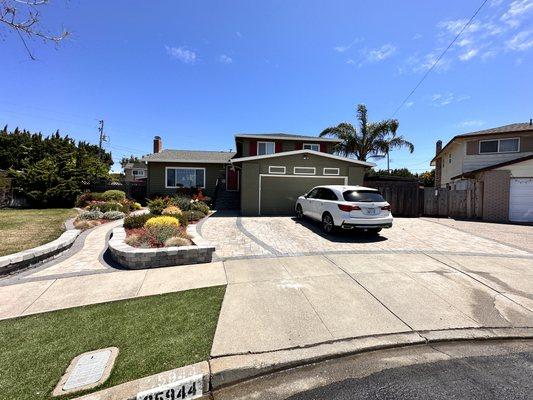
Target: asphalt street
(455,370)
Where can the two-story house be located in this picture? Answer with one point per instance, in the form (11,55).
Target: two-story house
(498,162)
(265,174)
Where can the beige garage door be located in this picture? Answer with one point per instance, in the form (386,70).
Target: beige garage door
(521,200)
(279,193)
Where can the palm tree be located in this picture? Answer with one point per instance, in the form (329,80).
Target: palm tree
(374,139)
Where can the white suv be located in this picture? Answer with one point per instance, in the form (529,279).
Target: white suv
(348,207)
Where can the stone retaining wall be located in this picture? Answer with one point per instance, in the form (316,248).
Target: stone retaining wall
(37,255)
(137,258)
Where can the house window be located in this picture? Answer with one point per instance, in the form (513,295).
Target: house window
(304,170)
(138,173)
(449,158)
(264,148)
(275,169)
(185,177)
(331,171)
(311,146)
(499,146)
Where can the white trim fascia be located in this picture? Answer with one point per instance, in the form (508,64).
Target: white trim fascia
(294,139)
(261,176)
(304,173)
(176,187)
(277,166)
(295,152)
(334,174)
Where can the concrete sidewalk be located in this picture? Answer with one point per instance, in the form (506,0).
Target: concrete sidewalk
(43,295)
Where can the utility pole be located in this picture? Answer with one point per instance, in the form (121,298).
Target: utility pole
(103,137)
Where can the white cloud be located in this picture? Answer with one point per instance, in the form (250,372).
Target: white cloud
(183,54)
(343,48)
(468,55)
(350,61)
(516,11)
(238,34)
(443,99)
(380,53)
(521,41)
(225,59)
(471,123)
(417,36)
(409,104)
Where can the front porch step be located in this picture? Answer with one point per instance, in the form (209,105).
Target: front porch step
(228,200)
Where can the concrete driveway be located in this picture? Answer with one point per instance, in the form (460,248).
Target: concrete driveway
(246,237)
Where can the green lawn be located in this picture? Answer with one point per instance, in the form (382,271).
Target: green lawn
(24,229)
(153,334)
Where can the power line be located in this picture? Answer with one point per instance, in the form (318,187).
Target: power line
(439,58)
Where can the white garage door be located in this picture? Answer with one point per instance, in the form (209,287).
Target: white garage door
(521,200)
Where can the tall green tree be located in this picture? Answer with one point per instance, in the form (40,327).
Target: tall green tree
(51,171)
(372,139)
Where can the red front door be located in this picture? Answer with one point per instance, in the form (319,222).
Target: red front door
(232,179)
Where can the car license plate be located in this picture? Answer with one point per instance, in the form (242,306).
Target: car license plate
(190,388)
(371,211)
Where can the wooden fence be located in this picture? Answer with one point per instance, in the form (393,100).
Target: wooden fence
(403,194)
(464,203)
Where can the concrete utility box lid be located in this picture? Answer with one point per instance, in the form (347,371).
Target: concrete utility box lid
(86,371)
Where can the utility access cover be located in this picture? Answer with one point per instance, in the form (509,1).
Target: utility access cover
(87,370)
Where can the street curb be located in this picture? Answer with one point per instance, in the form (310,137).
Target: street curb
(228,370)
(233,369)
(129,390)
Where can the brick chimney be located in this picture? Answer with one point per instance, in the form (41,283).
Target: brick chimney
(438,163)
(158,145)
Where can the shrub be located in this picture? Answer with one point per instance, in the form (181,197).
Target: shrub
(200,206)
(182,202)
(183,218)
(136,206)
(195,215)
(157,205)
(137,238)
(113,215)
(97,196)
(114,195)
(177,241)
(136,221)
(91,215)
(158,234)
(172,211)
(84,199)
(106,206)
(162,221)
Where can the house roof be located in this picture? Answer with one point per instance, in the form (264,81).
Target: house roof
(286,136)
(511,128)
(139,165)
(197,156)
(316,153)
(502,164)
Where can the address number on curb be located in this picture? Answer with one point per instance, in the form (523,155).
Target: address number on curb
(190,388)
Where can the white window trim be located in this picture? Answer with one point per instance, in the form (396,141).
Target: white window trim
(335,171)
(295,171)
(257,149)
(498,151)
(143,172)
(271,169)
(176,187)
(311,144)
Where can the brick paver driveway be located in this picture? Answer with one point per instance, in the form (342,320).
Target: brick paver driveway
(248,237)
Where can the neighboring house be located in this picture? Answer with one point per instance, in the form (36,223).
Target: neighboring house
(135,171)
(263,177)
(497,163)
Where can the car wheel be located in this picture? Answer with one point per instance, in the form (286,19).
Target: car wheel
(299,212)
(327,223)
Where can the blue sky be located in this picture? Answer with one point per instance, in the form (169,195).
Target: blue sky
(197,72)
